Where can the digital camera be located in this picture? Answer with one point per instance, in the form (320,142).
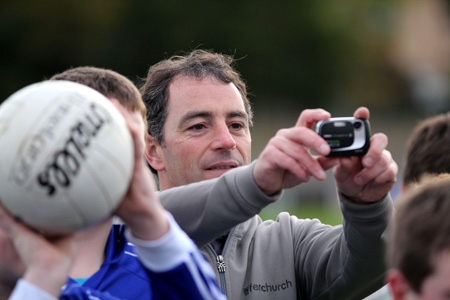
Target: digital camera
(346,136)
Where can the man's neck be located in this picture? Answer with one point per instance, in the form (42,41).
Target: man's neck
(163,183)
(219,243)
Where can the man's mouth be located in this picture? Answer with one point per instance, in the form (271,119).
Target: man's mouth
(221,168)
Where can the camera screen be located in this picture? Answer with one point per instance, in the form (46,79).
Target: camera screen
(338,134)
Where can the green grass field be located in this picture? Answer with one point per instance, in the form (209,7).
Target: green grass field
(326,214)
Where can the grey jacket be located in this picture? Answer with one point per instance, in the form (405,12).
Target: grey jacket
(289,258)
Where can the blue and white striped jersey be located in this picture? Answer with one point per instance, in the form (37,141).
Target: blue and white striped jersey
(169,268)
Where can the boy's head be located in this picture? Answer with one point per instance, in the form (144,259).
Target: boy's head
(419,245)
(427,149)
(109,83)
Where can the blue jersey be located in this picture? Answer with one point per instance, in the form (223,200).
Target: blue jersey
(175,270)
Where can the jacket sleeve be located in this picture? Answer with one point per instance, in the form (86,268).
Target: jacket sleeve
(28,291)
(344,262)
(176,267)
(205,210)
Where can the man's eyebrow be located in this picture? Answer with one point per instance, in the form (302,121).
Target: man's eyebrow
(193,115)
(238,114)
(208,115)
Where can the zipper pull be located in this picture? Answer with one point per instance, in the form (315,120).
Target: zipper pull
(220,264)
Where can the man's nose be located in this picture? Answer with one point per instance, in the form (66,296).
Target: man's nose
(223,139)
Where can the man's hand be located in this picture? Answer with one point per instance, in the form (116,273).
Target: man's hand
(140,209)
(287,161)
(368,178)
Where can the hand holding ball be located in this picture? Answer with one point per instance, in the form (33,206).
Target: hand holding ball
(66,156)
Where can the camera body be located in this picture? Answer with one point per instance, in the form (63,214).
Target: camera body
(346,136)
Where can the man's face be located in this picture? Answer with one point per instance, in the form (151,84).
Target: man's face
(206,132)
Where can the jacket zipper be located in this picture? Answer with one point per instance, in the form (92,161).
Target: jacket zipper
(221,268)
(220,262)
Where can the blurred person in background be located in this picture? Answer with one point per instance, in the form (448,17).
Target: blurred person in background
(419,242)
(426,155)
(428,149)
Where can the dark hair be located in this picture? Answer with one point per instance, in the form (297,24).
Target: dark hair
(198,64)
(109,83)
(428,149)
(420,231)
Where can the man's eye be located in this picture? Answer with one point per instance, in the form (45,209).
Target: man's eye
(197,127)
(236,126)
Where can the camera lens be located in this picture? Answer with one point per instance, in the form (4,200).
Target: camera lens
(357,125)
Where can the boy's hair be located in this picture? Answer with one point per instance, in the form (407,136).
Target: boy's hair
(428,149)
(420,231)
(199,64)
(109,83)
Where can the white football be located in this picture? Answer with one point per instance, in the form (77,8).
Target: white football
(66,156)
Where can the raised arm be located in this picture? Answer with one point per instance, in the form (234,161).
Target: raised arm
(207,209)
(174,263)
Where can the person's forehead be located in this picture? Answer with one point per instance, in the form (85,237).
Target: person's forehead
(194,92)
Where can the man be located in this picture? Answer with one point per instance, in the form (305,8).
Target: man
(161,262)
(198,119)
(419,243)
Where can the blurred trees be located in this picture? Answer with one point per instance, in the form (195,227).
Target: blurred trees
(293,54)
(312,53)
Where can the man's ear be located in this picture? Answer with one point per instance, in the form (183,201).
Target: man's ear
(398,285)
(152,154)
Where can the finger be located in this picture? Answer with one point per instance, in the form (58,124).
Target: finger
(6,219)
(286,155)
(327,162)
(132,118)
(378,144)
(135,125)
(272,168)
(307,138)
(17,231)
(362,113)
(300,154)
(309,117)
(368,174)
(292,166)
(346,168)
(382,184)
(389,175)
